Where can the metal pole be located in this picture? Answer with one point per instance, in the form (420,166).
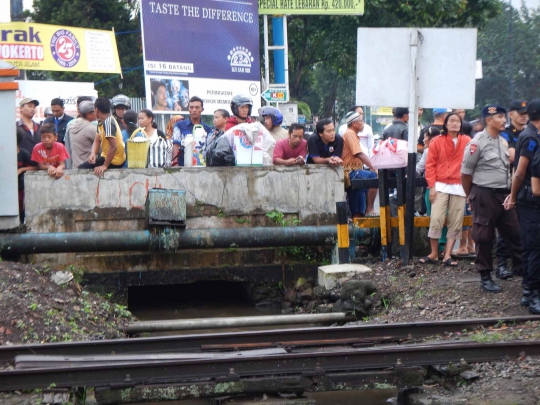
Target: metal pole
(411,168)
(234,322)
(266,60)
(286,52)
(342,232)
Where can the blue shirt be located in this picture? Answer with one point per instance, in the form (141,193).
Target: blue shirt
(181,130)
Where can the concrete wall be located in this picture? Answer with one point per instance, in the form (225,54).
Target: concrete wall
(216,197)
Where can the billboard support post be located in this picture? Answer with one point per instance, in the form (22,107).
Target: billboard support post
(407,252)
(281,57)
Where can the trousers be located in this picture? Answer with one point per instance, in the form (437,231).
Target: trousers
(488,215)
(529,226)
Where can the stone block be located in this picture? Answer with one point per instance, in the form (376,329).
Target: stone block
(331,276)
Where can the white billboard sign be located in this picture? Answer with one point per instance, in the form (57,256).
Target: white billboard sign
(446,67)
(45,91)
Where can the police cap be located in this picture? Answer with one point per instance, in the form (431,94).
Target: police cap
(533,107)
(519,105)
(490,110)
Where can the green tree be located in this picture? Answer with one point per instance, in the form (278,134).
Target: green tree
(322,49)
(122,15)
(495,48)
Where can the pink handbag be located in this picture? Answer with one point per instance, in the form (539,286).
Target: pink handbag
(390,154)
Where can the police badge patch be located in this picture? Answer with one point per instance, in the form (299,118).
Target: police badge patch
(472,148)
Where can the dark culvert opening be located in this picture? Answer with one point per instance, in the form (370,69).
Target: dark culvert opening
(193,294)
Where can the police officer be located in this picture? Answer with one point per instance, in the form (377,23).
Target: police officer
(528,207)
(518,121)
(485,174)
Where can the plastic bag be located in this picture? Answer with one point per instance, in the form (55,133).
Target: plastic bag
(250,143)
(390,154)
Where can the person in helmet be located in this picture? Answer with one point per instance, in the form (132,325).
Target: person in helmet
(120,103)
(48,112)
(272,121)
(241,108)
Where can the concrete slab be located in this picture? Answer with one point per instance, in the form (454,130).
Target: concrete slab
(331,275)
(273,401)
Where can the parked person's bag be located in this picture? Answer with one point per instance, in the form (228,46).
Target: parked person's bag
(390,154)
(138,146)
(160,153)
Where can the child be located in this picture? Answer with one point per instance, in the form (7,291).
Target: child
(24,164)
(50,155)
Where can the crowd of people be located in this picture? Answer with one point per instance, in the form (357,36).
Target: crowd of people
(484,167)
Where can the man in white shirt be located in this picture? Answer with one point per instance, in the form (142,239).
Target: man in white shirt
(365,136)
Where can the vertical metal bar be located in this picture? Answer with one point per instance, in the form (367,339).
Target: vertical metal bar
(411,168)
(286,52)
(342,232)
(266,60)
(384,204)
(400,180)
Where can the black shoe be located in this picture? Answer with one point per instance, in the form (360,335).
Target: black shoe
(534,303)
(503,272)
(488,284)
(525,297)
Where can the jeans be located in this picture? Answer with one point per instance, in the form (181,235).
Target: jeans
(358,198)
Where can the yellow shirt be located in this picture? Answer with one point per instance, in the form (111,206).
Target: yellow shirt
(110,129)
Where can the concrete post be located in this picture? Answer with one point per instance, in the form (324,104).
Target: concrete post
(9,203)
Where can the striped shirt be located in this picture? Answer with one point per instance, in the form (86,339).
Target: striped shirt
(110,129)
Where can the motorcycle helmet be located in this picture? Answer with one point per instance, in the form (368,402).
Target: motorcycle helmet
(238,101)
(120,100)
(274,113)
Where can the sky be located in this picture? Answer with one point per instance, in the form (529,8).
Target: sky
(4,6)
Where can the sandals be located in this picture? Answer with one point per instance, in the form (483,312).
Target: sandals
(427,260)
(450,263)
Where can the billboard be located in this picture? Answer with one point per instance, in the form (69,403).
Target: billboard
(45,91)
(32,46)
(204,48)
(311,7)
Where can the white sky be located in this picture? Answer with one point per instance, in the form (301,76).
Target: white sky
(4,6)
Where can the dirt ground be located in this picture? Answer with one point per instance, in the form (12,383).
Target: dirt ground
(34,309)
(435,292)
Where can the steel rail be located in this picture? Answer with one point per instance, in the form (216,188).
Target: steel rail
(311,363)
(254,339)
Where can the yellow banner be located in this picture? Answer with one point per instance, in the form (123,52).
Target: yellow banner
(312,7)
(32,46)
(381,111)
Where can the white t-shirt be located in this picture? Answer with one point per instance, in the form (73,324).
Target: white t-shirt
(365,136)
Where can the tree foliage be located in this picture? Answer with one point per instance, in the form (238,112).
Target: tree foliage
(121,15)
(495,48)
(322,49)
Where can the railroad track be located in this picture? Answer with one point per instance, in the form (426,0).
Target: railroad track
(294,354)
(361,335)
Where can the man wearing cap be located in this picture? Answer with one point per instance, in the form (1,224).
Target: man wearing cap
(81,135)
(485,175)
(528,207)
(439,114)
(354,158)
(518,120)
(399,128)
(59,119)
(26,126)
(365,135)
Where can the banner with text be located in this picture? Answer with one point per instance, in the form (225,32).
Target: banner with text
(311,7)
(44,91)
(204,48)
(32,46)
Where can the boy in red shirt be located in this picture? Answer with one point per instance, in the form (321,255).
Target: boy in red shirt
(50,155)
